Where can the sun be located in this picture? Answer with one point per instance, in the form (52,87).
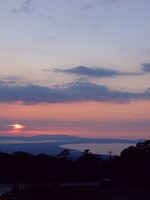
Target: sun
(17,126)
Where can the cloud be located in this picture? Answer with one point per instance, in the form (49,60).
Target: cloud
(89,4)
(26,7)
(109,1)
(7,81)
(95,72)
(73,92)
(12,80)
(146,67)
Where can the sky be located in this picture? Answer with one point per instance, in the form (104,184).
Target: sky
(75,67)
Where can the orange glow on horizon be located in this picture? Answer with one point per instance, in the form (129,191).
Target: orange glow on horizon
(92,119)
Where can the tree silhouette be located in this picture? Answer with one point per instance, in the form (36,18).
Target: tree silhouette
(89,166)
(135,162)
(65,154)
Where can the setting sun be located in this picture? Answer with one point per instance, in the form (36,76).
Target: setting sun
(18,126)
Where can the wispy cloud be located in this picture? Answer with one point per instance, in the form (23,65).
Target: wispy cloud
(12,80)
(73,92)
(89,4)
(95,72)
(26,7)
(109,1)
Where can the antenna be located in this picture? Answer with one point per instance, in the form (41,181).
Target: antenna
(110,153)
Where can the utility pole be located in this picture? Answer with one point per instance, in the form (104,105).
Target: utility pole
(110,153)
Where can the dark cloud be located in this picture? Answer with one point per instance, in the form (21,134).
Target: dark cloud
(146,67)
(26,7)
(73,92)
(95,72)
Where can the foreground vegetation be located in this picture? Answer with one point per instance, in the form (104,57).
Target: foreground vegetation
(131,170)
(55,194)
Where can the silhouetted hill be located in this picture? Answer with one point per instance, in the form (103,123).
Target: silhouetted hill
(67,138)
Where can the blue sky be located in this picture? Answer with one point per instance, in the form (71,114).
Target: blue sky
(50,34)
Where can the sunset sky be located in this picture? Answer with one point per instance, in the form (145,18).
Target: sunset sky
(75,67)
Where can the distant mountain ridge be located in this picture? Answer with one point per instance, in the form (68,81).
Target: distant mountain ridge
(72,139)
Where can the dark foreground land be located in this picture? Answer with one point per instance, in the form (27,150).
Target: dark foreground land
(55,194)
(77,193)
(88,178)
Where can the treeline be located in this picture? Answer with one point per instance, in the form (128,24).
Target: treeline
(25,167)
(132,168)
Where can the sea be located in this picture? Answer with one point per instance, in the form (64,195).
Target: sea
(97,148)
